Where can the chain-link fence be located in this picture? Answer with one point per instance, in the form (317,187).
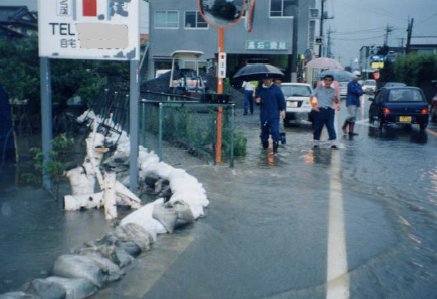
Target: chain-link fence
(169,127)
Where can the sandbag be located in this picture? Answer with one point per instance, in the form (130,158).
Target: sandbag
(183,211)
(18,295)
(45,289)
(167,216)
(75,288)
(109,247)
(80,181)
(111,271)
(76,266)
(134,232)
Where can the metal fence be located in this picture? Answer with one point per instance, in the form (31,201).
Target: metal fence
(173,126)
(169,127)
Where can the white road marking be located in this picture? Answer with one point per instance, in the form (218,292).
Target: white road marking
(337,269)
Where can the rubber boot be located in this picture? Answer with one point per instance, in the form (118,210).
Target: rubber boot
(351,129)
(283,138)
(346,123)
(265,144)
(275,146)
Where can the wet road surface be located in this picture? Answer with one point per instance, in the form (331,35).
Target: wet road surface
(358,222)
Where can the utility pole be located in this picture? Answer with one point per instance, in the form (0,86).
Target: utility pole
(294,45)
(409,30)
(401,42)
(322,17)
(328,48)
(388,29)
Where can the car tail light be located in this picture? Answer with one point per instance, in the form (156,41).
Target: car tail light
(424,111)
(386,111)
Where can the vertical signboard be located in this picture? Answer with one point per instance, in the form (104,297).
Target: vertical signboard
(89,29)
(221,65)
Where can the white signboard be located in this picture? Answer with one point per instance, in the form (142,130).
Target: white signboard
(89,29)
(221,65)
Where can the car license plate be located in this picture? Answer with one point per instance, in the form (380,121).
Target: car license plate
(292,104)
(405,119)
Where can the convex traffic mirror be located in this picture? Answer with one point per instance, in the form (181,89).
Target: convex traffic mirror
(221,12)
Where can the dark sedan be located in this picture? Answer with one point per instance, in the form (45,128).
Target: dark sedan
(399,105)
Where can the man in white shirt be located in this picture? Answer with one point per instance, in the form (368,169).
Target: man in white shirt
(249,96)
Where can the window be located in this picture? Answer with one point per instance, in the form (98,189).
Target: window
(193,19)
(167,19)
(282,8)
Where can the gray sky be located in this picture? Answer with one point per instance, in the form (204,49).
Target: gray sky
(359,23)
(32,4)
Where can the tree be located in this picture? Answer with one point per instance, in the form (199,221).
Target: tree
(417,69)
(19,75)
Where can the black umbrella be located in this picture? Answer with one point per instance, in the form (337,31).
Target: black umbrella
(258,71)
(339,75)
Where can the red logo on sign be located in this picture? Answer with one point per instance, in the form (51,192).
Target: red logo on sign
(89,8)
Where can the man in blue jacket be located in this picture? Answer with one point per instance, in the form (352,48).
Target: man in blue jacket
(354,92)
(272,107)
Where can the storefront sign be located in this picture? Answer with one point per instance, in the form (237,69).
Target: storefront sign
(89,29)
(266,45)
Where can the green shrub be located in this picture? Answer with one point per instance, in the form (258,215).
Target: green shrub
(240,142)
(54,167)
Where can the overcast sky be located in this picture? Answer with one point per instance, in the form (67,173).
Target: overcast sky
(359,23)
(32,4)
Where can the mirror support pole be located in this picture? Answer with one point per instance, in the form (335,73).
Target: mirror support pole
(218,144)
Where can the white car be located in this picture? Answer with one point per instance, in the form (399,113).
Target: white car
(297,99)
(369,86)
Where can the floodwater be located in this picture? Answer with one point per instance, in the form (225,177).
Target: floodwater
(267,227)
(266,234)
(35,230)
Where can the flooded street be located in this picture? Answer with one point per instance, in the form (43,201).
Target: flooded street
(300,224)
(358,222)
(34,230)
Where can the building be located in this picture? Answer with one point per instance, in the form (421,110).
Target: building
(421,44)
(280,32)
(17,22)
(365,59)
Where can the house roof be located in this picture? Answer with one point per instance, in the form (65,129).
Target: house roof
(17,15)
(424,40)
(16,21)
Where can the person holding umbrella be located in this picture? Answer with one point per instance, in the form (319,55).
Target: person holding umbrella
(272,108)
(270,98)
(325,113)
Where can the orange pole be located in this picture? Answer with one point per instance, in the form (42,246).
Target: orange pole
(218,145)
(221,48)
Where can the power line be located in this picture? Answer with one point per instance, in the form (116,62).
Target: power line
(360,31)
(428,18)
(361,38)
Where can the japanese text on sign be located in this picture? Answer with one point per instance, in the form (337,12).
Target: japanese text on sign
(222,65)
(266,45)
